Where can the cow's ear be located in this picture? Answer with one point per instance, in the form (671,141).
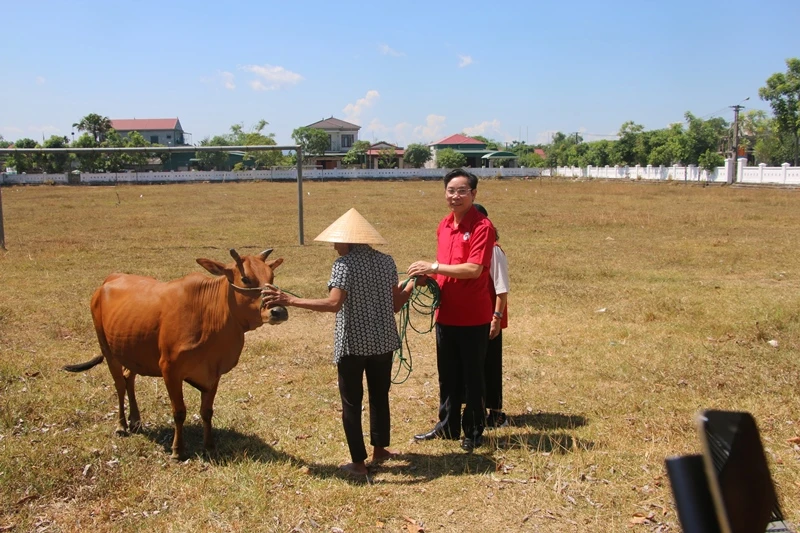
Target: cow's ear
(275,264)
(216,268)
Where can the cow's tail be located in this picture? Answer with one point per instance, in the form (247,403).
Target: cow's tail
(80,367)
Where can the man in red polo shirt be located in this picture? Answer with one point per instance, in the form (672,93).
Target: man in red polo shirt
(465,240)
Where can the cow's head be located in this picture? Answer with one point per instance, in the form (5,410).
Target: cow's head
(248,275)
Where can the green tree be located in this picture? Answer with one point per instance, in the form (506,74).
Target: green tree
(598,153)
(532,160)
(255,137)
(98,126)
(417,155)
(213,160)
(23,162)
(313,141)
(628,149)
(88,162)
(783,94)
(136,160)
(702,136)
(387,158)
(449,158)
(710,160)
(55,163)
(767,142)
(357,154)
(3,159)
(566,151)
(113,161)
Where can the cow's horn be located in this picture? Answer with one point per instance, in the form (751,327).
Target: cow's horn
(263,255)
(235,256)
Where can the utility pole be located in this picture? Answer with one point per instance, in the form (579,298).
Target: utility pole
(736,108)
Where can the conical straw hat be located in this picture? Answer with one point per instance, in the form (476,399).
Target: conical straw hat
(351,228)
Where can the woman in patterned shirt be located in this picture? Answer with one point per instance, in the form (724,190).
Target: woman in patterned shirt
(364,293)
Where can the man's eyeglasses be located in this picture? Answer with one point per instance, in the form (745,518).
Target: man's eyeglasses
(463,191)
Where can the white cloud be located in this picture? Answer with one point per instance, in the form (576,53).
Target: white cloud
(389,51)
(10,130)
(432,130)
(353,112)
(405,133)
(271,77)
(221,77)
(464,61)
(40,80)
(485,128)
(227,79)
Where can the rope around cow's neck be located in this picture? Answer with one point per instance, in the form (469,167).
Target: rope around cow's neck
(259,289)
(424,300)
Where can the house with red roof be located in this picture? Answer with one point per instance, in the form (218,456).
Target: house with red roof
(475,150)
(164,131)
(379,149)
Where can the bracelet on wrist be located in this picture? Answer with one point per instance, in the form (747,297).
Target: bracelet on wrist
(497,314)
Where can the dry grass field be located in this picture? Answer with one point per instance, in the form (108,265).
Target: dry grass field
(632,307)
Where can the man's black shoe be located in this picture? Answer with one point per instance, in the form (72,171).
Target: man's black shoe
(427,436)
(469,444)
(433,434)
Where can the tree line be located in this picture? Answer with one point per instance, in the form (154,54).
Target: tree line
(770,139)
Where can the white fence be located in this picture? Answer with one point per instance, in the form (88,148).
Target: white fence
(261,175)
(783,175)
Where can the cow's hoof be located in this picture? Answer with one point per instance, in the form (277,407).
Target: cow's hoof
(176,456)
(136,426)
(122,432)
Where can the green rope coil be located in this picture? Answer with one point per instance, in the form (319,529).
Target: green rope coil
(424,300)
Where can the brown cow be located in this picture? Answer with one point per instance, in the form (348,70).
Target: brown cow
(190,329)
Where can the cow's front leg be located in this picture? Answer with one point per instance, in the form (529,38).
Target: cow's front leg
(206,412)
(175,390)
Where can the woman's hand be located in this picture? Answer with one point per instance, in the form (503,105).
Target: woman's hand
(272,296)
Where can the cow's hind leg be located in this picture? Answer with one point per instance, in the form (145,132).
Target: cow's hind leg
(206,412)
(175,389)
(134,418)
(117,372)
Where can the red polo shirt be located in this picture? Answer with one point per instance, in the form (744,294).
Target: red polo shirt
(465,302)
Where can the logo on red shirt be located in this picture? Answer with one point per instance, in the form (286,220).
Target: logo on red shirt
(466,236)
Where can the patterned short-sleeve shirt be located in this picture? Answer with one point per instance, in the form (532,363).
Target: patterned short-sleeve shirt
(365,324)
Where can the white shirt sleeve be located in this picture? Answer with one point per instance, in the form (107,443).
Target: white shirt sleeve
(499,271)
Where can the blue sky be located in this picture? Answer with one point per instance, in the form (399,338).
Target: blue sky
(405,72)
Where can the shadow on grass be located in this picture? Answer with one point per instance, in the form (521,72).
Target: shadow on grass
(231,446)
(548,421)
(413,467)
(550,443)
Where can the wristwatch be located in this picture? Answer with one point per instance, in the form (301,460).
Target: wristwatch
(435,267)
(498,314)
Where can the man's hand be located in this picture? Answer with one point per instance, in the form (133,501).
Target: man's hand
(420,268)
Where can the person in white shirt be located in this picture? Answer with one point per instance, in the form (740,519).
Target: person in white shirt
(493,370)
